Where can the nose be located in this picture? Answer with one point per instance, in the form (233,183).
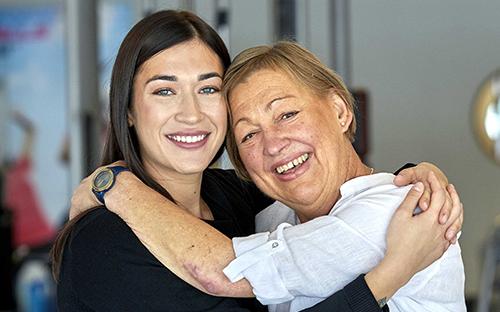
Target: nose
(275,141)
(189,110)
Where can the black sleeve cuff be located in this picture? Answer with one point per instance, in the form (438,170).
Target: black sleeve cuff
(360,296)
(407,165)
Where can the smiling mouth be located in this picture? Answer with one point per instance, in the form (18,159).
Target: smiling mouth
(297,162)
(187,138)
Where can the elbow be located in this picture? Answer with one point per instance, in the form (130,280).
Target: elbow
(212,284)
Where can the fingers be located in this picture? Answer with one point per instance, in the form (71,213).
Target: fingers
(405,177)
(452,205)
(456,215)
(408,176)
(423,203)
(411,200)
(439,174)
(452,231)
(119,163)
(446,209)
(438,195)
(460,221)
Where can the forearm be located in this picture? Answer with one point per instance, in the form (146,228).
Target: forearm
(193,250)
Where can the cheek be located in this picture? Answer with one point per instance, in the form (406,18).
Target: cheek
(222,122)
(148,120)
(145,112)
(306,132)
(250,159)
(218,115)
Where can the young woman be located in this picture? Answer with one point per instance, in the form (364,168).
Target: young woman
(167,122)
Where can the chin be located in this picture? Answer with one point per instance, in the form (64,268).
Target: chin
(193,167)
(302,196)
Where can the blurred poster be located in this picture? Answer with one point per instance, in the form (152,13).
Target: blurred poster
(32,75)
(33,110)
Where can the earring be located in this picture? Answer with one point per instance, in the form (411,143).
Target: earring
(342,123)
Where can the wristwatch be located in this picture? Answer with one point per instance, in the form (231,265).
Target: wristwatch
(104,180)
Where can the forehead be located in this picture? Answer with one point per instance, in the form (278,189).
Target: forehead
(186,57)
(264,85)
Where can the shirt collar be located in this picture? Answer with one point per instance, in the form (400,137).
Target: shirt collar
(362,183)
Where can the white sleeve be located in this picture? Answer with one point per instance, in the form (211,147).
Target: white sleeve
(313,259)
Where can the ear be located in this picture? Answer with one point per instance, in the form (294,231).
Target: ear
(344,114)
(130,119)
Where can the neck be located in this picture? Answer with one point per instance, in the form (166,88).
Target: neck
(184,188)
(358,168)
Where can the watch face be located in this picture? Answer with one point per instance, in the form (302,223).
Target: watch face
(103,180)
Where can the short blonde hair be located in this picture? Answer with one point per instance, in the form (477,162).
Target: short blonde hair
(295,61)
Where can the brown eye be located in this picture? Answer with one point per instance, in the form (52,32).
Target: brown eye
(247,137)
(288,115)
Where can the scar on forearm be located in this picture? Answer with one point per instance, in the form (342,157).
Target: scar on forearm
(209,285)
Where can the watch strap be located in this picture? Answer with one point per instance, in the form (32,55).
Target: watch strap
(115,170)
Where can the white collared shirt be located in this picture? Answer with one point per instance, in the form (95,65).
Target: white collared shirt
(295,267)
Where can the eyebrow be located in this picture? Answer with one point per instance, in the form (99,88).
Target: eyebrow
(162,77)
(270,104)
(208,76)
(268,108)
(174,78)
(240,120)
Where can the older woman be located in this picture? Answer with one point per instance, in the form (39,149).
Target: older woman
(293,124)
(297,153)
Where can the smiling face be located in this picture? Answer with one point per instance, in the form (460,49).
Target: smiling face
(178,112)
(292,143)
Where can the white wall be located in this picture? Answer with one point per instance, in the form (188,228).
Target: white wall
(251,24)
(421,62)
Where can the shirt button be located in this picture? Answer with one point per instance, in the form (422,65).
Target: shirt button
(275,244)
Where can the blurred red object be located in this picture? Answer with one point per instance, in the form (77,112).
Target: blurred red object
(29,223)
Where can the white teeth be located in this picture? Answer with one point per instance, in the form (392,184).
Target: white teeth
(292,164)
(187,138)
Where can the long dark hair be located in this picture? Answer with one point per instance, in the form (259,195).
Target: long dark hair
(151,35)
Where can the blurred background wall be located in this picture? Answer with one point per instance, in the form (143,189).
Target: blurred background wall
(418,63)
(422,62)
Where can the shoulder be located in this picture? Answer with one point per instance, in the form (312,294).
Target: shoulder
(97,223)
(367,205)
(103,255)
(98,234)
(100,248)
(375,194)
